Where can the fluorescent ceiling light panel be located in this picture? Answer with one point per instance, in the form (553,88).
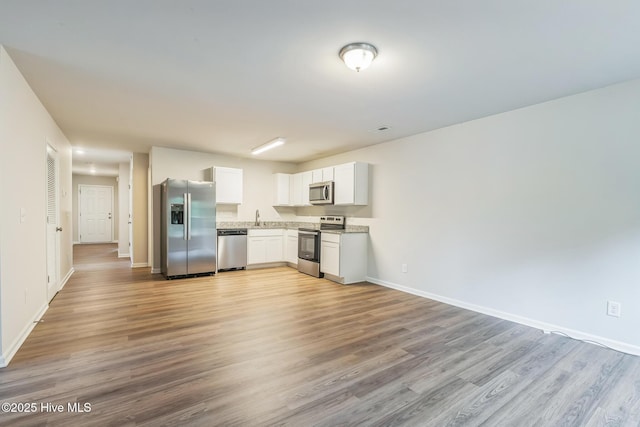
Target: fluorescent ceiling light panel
(268,146)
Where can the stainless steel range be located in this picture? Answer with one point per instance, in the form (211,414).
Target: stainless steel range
(332,223)
(309,244)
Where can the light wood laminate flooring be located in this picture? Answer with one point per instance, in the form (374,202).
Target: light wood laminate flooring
(276,347)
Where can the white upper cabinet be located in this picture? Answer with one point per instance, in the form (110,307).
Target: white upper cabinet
(322,175)
(316,176)
(327,174)
(296,190)
(282,189)
(351,184)
(228,185)
(299,189)
(306,181)
(292,189)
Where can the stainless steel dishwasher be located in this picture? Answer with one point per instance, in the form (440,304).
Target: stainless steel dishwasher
(232,249)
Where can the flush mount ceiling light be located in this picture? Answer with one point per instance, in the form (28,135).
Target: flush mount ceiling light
(268,146)
(358,56)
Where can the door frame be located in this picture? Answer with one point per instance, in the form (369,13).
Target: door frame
(52,284)
(130,219)
(80,187)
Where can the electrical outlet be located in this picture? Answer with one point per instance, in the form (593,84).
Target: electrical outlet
(404,268)
(613,308)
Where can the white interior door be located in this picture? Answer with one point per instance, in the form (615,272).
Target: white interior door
(95,204)
(53,227)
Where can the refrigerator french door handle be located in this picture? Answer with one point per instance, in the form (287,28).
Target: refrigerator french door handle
(185,220)
(189,217)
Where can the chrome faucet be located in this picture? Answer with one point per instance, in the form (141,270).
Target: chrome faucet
(257,217)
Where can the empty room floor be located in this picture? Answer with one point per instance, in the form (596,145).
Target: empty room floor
(277,347)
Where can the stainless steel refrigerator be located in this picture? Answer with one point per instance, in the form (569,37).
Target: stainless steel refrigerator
(188,241)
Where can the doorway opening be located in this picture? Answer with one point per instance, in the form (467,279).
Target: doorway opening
(101,218)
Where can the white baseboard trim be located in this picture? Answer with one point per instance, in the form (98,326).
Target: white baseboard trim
(156,270)
(123,255)
(543,326)
(266,265)
(11,351)
(76,242)
(139,264)
(66,278)
(95,243)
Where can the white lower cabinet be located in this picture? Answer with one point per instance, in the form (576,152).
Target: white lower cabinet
(343,257)
(291,246)
(274,248)
(330,254)
(265,246)
(256,250)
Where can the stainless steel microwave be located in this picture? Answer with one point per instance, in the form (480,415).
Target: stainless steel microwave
(321,193)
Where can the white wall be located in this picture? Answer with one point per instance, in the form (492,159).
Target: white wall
(532,215)
(258,186)
(123,209)
(25,127)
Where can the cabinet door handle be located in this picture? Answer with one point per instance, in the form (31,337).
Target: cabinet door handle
(58,228)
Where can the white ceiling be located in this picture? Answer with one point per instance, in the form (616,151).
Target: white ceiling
(226,76)
(99,161)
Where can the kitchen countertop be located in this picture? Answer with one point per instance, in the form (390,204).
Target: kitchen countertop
(288,225)
(350,229)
